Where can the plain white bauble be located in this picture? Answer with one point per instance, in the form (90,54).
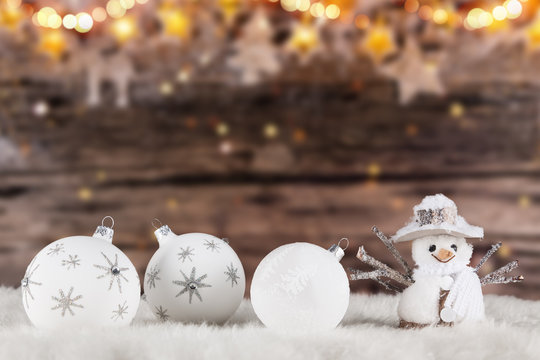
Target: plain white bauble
(194,277)
(300,286)
(80,281)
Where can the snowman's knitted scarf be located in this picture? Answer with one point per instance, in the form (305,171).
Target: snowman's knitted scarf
(465,296)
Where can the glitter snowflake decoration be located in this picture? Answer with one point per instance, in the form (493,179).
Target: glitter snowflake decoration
(56,249)
(27,281)
(211,245)
(120,312)
(152,276)
(232,275)
(192,284)
(113,271)
(66,302)
(186,253)
(73,261)
(161,313)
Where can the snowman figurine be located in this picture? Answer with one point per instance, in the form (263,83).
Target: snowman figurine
(445,287)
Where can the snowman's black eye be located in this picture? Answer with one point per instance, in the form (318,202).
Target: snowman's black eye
(432,248)
(454,246)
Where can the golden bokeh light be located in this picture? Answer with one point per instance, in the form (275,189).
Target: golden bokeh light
(124,29)
(69,21)
(115,9)
(513,8)
(53,43)
(84,22)
(499,13)
(303,5)
(99,14)
(317,9)
(379,42)
(304,38)
(440,16)
(175,22)
(332,11)
(127,4)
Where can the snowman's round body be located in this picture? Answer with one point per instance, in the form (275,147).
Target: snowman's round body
(194,277)
(80,281)
(445,288)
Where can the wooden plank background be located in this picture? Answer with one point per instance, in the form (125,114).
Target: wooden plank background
(346,157)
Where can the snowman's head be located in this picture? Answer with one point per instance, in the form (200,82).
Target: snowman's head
(441,252)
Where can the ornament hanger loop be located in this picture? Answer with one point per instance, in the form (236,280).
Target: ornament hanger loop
(344,239)
(105,218)
(156,221)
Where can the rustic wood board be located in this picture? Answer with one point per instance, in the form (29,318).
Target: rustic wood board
(358,163)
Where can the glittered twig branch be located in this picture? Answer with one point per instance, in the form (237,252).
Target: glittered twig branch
(387,271)
(491,251)
(390,246)
(374,275)
(501,280)
(497,276)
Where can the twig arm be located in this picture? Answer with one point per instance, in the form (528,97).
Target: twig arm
(388,271)
(374,275)
(490,252)
(390,246)
(501,280)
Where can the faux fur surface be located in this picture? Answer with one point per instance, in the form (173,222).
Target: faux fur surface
(511,331)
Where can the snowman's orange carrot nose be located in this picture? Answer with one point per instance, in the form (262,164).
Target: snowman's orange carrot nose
(444,255)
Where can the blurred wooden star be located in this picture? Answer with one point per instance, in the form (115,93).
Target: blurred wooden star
(53,43)
(413,75)
(305,41)
(379,42)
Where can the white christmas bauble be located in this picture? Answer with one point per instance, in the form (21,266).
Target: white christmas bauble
(301,286)
(81,281)
(193,278)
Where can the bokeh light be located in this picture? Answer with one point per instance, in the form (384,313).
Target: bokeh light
(99,14)
(317,9)
(84,22)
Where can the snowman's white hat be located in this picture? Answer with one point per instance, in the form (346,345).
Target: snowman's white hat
(437,215)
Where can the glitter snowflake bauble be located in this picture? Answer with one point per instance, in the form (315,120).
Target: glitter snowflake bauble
(193,278)
(81,281)
(301,287)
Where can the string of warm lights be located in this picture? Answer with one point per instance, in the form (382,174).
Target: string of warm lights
(475,18)
(316,9)
(82,22)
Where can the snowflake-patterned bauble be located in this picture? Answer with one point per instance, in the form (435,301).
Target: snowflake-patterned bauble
(301,287)
(81,281)
(193,278)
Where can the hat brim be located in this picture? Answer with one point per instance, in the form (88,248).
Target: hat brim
(462,229)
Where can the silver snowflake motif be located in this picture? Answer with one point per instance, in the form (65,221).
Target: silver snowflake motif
(161,313)
(232,275)
(66,302)
(27,281)
(186,253)
(192,284)
(152,276)
(211,245)
(120,312)
(113,271)
(56,250)
(73,261)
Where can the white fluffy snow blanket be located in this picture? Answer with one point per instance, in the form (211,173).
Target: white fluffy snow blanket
(511,331)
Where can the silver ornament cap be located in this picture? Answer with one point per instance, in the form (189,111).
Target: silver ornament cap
(104,232)
(337,250)
(162,231)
